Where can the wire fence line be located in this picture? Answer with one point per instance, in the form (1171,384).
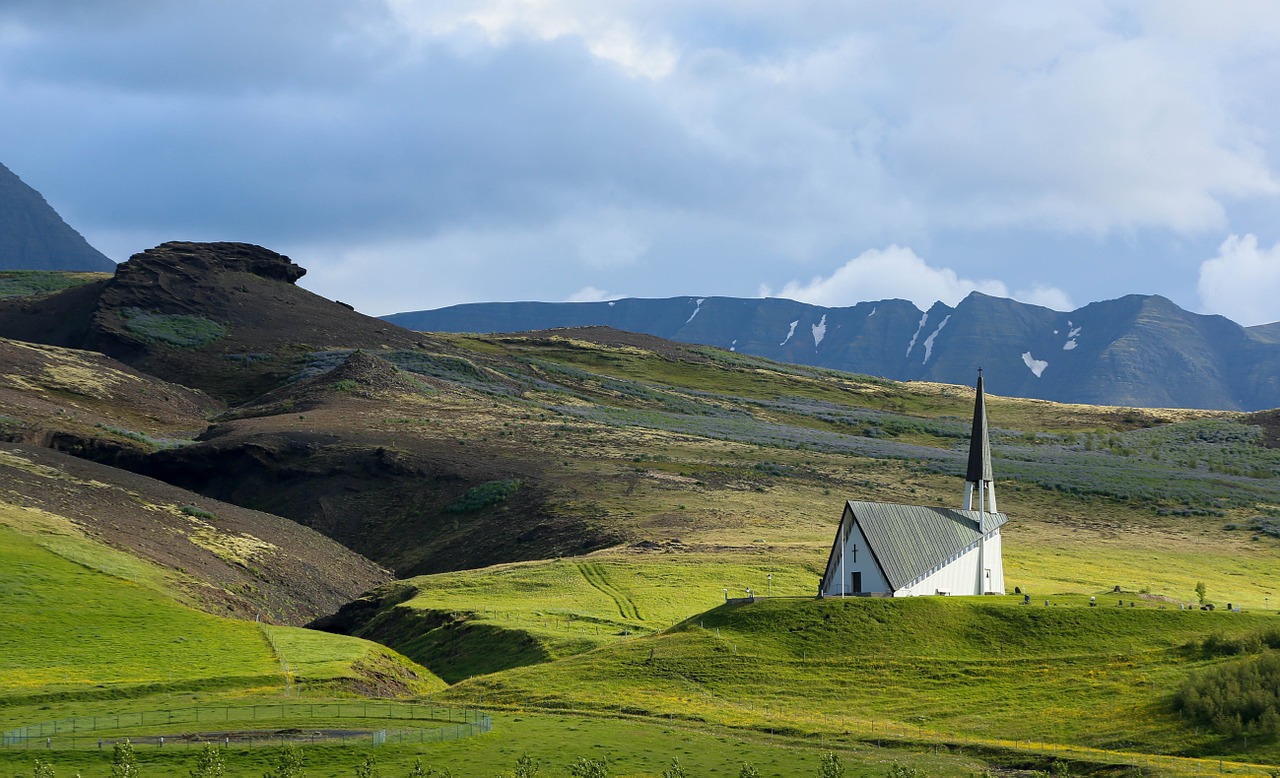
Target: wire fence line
(255,725)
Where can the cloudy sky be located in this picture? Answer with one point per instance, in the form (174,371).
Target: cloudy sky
(418,153)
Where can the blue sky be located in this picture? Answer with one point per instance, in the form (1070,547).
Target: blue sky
(418,154)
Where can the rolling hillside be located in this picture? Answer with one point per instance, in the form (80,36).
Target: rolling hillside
(566,512)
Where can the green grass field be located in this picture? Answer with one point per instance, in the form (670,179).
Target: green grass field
(475,622)
(87,622)
(630,747)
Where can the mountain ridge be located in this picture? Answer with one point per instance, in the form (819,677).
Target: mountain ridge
(1139,350)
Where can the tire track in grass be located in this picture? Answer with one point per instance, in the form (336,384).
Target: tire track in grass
(595,575)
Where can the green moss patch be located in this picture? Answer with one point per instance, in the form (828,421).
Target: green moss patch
(173,329)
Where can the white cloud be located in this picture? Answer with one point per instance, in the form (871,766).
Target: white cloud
(1243,281)
(893,272)
(590,294)
(1048,296)
(897,272)
(605,32)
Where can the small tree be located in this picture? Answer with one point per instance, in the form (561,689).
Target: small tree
(748,771)
(526,767)
(830,766)
(368,768)
(589,768)
(897,770)
(42,769)
(418,770)
(288,763)
(675,770)
(209,763)
(1201,591)
(124,764)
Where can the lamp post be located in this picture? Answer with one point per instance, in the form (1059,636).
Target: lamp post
(768,592)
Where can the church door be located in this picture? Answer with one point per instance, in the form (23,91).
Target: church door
(857,582)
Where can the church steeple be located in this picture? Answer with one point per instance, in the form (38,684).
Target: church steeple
(978,479)
(978,476)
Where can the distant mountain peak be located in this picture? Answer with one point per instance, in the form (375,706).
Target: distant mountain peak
(34,237)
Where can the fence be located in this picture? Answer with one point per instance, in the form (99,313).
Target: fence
(251,725)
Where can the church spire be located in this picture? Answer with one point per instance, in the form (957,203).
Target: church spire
(979,442)
(978,474)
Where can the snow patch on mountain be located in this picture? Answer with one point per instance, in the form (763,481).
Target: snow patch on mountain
(790,332)
(873,312)
(928,342)
(819,331)
(734,345)
(1071,337)
(924,318)
(695,310)
(1036,366)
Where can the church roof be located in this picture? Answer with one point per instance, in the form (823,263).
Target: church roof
(909,541)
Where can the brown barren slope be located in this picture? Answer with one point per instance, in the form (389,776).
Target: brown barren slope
(224,559)
(370,456)
(71,399)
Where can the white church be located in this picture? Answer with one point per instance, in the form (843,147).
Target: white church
(887,550)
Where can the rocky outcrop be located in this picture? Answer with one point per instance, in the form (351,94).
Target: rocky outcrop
(227,318)
(202,259)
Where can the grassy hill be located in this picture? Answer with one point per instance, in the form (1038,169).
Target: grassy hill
(987,671)
(85,621)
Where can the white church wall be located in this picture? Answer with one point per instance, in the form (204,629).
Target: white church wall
(995,563)
(873,580)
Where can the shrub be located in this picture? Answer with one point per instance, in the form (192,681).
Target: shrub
(589,768)
(526,767)
(1240,697)
(830,766)
(484,495)
(209,763)
(675,770)
(748,771)
(288,763)
(368,768)
(124,764)
(897,770)
(199,513)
